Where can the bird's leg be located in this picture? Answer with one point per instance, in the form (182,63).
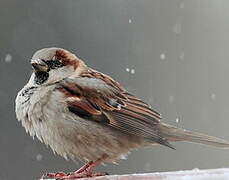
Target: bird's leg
(83,168)
(84,171)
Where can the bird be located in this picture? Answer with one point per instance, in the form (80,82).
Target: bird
(83,114)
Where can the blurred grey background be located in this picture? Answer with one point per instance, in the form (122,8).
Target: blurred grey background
(174,54)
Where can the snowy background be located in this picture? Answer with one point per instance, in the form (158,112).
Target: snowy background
(174,54)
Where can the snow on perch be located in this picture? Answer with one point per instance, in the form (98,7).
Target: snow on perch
(195,174)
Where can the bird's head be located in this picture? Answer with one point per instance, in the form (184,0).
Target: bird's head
(51,65)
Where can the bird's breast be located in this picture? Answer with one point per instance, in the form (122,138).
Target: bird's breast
(44,114)
(28,106)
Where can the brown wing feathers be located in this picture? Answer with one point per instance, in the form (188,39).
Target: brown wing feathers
(97,97)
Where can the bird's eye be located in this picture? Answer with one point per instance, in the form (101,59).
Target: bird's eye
(54,64)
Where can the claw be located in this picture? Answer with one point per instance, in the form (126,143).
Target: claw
(85,171)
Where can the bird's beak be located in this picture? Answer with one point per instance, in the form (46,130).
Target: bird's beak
(39,65)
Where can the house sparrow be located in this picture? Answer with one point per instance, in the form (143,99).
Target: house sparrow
(84,114)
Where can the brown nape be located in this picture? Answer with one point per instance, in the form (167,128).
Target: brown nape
(67,58)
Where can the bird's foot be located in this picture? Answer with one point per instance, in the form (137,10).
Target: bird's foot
(71,176)
(83,172)
(53,175)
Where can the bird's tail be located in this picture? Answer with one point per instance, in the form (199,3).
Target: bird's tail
(172,133)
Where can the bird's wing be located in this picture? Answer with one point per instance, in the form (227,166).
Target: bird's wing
(97,97)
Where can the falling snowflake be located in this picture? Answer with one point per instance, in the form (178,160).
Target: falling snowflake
(177,120)
(151,100)
(177,28)
(127,70)
(39,157)
(130,21)
(213,96)
(171,99)
(182,5)
(162,56)
(132,71)
(147,167)
(181,57)
(8,58)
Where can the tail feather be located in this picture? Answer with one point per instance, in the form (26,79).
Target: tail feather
(172,133)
